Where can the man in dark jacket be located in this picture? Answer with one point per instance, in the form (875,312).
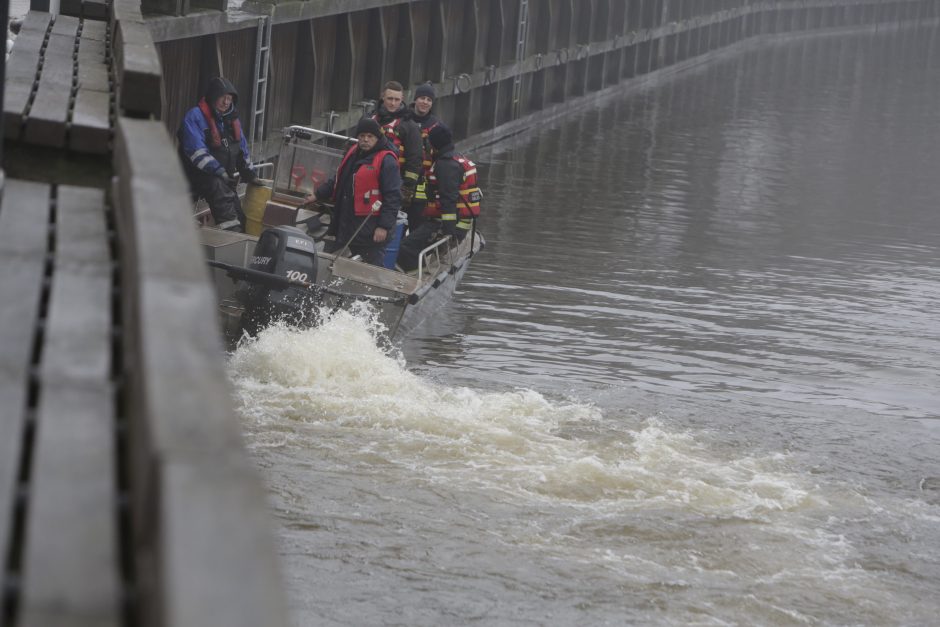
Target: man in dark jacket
(395,119)
(214,152)
(445,200)
(422,114)
(366,193)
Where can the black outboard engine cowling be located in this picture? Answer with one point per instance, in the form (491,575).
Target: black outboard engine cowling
(284,252)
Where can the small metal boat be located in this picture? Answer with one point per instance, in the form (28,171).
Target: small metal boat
(284,274)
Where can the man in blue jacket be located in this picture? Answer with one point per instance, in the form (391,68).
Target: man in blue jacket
(215,152)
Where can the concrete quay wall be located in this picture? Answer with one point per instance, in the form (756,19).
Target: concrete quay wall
(497,66)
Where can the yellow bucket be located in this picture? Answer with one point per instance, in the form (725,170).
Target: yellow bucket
(256,197)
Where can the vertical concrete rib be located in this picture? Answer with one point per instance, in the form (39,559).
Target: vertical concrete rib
(361,49)
(438,38)
(401,61)
(304,75)
(474,114)
(420,18)
(341,83)
(323,38)
(376,45)
(615,33)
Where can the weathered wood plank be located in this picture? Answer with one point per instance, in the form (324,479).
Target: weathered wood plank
(138,70)
(72,523)
(21,72)
(91,122)
(46,122)
(96,31)
(91,114)
(199,509)
(24,218)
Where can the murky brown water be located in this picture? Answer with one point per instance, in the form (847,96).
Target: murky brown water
(693,379)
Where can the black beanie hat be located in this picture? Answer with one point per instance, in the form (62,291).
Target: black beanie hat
(440,136)
(368,125)
(425,89)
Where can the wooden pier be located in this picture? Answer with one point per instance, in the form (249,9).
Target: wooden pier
(126,497)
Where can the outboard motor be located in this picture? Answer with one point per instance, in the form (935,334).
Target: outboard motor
(285,252)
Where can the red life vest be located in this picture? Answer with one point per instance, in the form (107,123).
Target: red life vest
(367,196)
(390,131)
(468,194)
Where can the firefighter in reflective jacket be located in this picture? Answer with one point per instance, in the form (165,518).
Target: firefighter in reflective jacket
(422,112)
(455,201)
(403,133)
(367,195)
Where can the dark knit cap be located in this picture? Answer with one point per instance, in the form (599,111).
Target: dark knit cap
(440,136)
(368,125)
(425,89)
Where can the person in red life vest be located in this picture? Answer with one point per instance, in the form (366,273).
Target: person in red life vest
(421,113)
(366,193)
(395,119)
(214,152)
(454,199)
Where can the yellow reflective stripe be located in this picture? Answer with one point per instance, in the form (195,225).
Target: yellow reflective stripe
(469,172)
(448,216)
(411,175)
(465,224)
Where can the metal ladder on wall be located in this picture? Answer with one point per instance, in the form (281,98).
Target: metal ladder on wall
(521,36)
(259,95)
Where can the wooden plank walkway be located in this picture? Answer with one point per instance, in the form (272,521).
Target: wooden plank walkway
(73,494)
(58,92)
(126,496)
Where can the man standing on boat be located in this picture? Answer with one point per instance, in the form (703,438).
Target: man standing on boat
(366,193)
(395,119)
(421,113)
(454,198)
(214,152)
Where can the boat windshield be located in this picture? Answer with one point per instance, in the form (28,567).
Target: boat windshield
(304,162)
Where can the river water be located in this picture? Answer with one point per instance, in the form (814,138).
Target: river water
(692,380)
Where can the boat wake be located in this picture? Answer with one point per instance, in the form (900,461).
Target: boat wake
(341,389)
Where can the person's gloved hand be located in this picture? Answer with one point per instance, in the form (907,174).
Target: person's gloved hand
(324,190)
(228,179)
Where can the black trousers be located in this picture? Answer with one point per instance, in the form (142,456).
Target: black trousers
(223,202)
(418,239)
(415,214)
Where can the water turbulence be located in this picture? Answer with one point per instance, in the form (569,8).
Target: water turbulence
(339,376)
(691,380)
(552,482)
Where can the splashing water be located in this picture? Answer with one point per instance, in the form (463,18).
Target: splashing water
(338,376)
(623,501)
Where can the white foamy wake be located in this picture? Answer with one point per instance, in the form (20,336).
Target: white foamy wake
(305,388)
